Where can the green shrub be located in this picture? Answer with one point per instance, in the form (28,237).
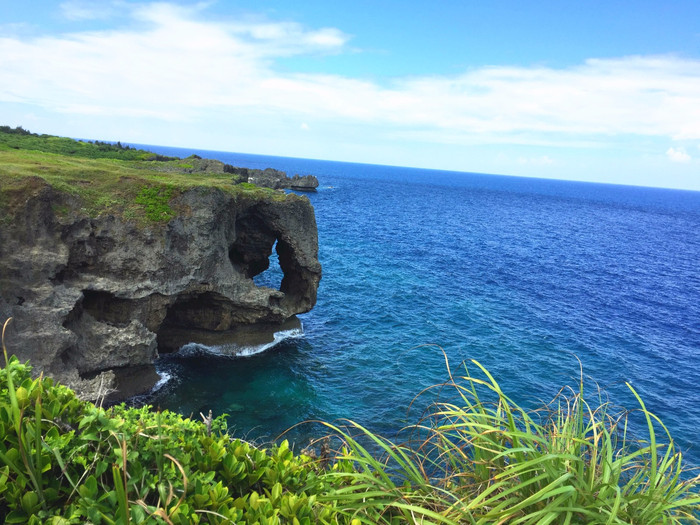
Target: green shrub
(63,460)
(480,460)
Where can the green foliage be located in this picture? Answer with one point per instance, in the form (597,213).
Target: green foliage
(156,201)
(19,130)
(248,188)
(482,460)
(19,138)
(63,460)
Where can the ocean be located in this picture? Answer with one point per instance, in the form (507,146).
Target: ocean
(527,276)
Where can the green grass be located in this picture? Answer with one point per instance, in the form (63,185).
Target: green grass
(156,202)
(19,138)
(131,189)
(480,460)
(485,460)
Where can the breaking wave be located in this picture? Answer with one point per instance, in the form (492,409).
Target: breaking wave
(237,350)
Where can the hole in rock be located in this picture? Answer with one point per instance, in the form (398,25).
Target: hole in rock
(191,314)
(59,278)
(205,311)
(257,254)
(106,307)
(273,275)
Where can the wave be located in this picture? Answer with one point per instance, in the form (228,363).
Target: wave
(235,350)
(165,378)
(167,367)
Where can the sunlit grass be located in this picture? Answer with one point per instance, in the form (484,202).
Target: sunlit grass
(109,186)
(483,459)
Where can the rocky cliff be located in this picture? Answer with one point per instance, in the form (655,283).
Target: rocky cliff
(277,180)
(94,297)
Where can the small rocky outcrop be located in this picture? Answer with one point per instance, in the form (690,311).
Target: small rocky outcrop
(267,178)
(92,298)
(303,183)
(277,180)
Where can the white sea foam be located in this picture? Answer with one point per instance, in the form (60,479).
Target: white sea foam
(165,377)
(236,350)
(246,351)
(195,349)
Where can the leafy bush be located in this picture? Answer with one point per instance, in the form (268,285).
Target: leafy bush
(19,130)
(481,460)
(65,461)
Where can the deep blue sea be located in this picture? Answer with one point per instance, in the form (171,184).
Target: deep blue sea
(524,275)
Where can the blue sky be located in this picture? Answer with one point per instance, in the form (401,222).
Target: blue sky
(598,91)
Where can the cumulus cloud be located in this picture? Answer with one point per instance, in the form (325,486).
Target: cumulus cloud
(677,155)
(178,62)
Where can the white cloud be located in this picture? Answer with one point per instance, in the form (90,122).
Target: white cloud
(79,10)
(304,126)
(677,155)
(180,64)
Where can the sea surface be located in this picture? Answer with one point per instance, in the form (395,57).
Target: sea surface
(527,276)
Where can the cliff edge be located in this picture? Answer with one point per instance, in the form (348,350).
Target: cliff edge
(95,290)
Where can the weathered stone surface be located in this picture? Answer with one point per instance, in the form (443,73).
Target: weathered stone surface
(275,179)
(303,183)
(89,296)
(267,178)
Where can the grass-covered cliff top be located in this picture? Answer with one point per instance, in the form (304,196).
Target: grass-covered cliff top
(20,138)
(108,178)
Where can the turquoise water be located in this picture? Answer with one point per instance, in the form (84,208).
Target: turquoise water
(525,275)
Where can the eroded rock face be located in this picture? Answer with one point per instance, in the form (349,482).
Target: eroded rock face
(89,296)
(275,179)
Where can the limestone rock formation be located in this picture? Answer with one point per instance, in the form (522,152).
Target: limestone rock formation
(303,183)
(267,178)
(91,297)
(278,180)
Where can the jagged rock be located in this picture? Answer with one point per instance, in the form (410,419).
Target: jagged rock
(275,179)
(304,183)
(269,178)
(90,296)
(206,165)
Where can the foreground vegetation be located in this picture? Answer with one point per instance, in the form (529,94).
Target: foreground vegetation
(104,178)
(65,461)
